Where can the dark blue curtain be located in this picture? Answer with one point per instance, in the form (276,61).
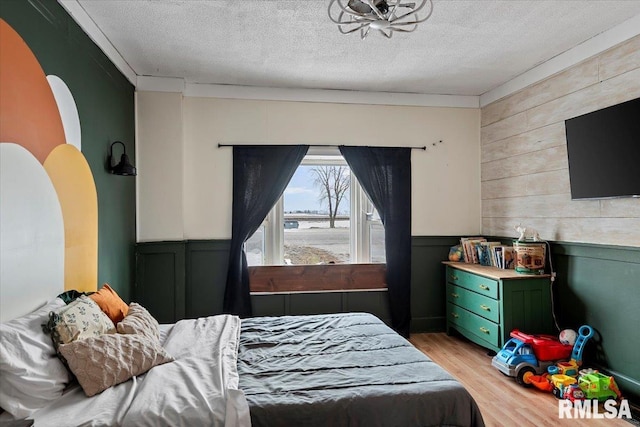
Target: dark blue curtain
(385,176)
(260,176)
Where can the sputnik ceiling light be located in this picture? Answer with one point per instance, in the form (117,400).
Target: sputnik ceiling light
(385,16)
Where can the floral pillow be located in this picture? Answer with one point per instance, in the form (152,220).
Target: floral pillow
(80,319)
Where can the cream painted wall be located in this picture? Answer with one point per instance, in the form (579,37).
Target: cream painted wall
(159,156)
(446,177)
(525,172)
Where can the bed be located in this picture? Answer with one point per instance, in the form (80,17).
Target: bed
(324,370)
(344,369)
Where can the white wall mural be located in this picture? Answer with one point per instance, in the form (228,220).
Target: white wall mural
(68,111)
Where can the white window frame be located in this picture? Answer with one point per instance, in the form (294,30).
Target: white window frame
(360,219)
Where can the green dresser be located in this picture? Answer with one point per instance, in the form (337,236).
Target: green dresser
(485,303)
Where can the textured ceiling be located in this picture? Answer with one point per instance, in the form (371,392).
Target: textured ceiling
(465,48)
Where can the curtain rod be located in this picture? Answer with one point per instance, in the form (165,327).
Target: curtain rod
(424,147)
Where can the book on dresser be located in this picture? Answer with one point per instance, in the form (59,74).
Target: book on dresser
(469,248)
(508,257)
(486,255)
(477,250)
(497,254)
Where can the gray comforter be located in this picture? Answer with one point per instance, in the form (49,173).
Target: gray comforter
(344,370)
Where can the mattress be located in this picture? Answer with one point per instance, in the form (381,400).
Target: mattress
(344,369)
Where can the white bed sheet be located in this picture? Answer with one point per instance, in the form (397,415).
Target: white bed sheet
(199,388)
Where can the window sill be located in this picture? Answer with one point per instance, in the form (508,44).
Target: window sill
(317,278)
(319,292)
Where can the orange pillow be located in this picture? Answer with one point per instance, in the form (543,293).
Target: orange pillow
(109,302)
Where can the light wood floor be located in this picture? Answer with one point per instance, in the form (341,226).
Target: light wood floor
(501,401)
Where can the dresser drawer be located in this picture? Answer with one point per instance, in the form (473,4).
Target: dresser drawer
(479,304)
(475,283)
(474,324)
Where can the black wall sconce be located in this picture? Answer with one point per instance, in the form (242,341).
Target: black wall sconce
(124,167)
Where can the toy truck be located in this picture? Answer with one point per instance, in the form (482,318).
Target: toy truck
(573,393)
(599,386)
(525,355)
(517,359)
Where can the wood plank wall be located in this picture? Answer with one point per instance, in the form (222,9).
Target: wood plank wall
(524,170)
(306,278)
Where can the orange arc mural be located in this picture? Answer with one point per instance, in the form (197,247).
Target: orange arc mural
(29,117)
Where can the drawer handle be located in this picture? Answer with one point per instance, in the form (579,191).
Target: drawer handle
(455,315)
(484,287)
(454,277)
(485,330)
(485,307)
(453,294)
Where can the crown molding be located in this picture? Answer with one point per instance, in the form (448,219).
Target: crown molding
(198,90)
(587,49)
(330,96)
(85,22)
(160,84)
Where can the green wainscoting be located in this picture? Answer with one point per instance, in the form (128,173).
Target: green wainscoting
(596,285)
(160,279)
(599,286)
(186,279)
(428,293)
(206,276)
(294,304)
(105,102)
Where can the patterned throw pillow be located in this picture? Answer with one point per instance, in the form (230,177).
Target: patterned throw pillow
(80,319)
(139,321)
(101,362)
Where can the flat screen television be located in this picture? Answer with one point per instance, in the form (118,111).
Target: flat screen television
(604,152)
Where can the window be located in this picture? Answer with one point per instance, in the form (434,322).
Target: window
(324,217)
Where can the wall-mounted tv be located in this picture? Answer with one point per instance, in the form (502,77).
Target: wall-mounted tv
(604,152)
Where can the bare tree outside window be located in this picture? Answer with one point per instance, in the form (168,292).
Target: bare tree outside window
(298,231)
(333,182)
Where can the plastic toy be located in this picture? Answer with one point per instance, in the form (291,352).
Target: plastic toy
(526,358)
(541,382)
(584,334)
(573,393)
(560,380)
(525,355)
(545,347)
(568,336)
(571,367)
(586,371)
(599,386)
(560,383)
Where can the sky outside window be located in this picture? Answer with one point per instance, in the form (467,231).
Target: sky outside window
(303,195)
